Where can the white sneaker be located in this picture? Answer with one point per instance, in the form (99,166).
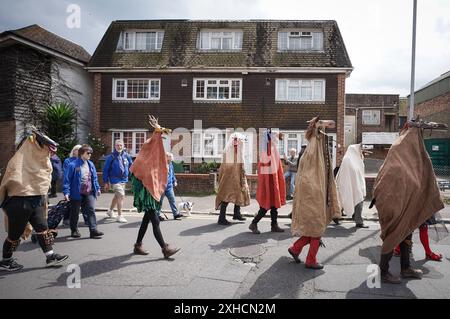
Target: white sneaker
(110,214)
(121,219)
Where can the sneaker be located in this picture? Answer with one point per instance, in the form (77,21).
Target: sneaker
(55,259)
(96,234)
(110,214)
(121,219)
(10,265)
(179,216)
(75,234)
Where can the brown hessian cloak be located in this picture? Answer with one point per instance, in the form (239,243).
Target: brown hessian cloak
(28,173)
(315,199)
(405,190)
(233,186)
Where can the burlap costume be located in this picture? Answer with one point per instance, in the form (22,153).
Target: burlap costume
(233,186)
(28,174)
(405,189)
(315,199)
(149,170)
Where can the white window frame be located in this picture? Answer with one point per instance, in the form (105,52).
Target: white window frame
(150,98)
(300,83)
(369,113)
(159,34)
(132,152)
(299,138)
(236,40)
(217,85)
(217,150)
(302,33)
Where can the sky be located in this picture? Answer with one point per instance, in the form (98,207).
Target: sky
(377,34)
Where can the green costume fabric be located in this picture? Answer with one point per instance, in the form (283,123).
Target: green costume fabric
(143,200)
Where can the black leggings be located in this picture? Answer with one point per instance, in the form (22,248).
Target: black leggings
(263,211)
(150,215)
(22,210)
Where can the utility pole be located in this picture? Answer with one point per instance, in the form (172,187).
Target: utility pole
(413,63)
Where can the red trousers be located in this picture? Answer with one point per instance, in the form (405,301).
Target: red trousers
(314,243)
(423,234)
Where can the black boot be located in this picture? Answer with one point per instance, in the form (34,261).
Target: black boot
(237,213)
(222,216)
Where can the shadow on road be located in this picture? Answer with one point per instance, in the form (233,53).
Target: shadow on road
(398,291)
(284,279)
(197,231)
(97,267)
(248,239)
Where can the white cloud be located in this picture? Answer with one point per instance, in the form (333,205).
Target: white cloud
(377,34)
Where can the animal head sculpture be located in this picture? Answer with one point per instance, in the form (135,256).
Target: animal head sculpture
(321,125)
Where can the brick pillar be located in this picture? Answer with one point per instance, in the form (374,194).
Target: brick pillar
(97,104)
(340,151)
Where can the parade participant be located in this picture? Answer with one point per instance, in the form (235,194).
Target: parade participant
(233,186)
(23,198)
(405,195)
(115,174)
(271,191)
(315,200)
(424,239)
(351,183)
(82,189)
(149,180)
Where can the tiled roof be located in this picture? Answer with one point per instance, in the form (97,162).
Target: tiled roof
(259,47)
(49,40)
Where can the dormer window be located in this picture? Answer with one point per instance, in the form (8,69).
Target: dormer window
(297,40)
(140,40)
(220,40)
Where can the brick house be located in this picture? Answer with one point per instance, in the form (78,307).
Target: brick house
(372,119)
(38,67)
(225,74)
(432,103)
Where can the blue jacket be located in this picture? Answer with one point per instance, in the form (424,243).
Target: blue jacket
(171,179)
(111,170)
(67,161)
(72,179)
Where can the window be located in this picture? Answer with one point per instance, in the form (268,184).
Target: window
(291,140)
(132,140)
(300,41)
(371,117)
(290,90)
(217,89)
(208,144)
(218,40)
(136,89)
(140,41)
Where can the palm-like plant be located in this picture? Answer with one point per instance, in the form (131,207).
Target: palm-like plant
(59,122)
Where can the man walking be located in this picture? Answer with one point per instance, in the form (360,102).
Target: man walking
(115,175)
(171,183)
(292,162)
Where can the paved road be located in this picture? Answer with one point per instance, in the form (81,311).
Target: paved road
(206,268)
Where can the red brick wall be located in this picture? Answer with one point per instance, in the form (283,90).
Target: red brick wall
(7,143)
(437,110)
(96,103)
(340,151)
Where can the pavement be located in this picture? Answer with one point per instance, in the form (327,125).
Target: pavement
(204,205)
(217,262)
